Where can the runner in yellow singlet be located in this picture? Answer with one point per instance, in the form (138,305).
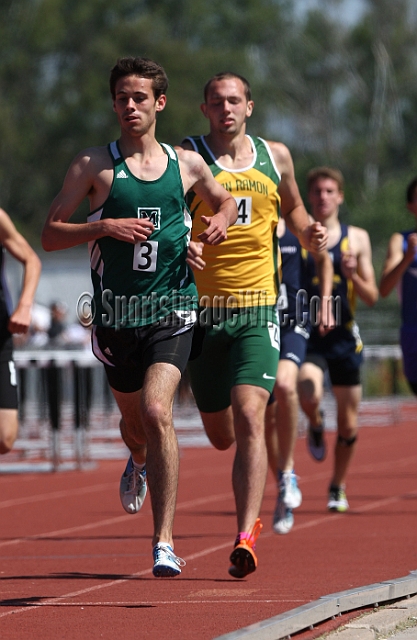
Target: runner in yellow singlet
(234,375)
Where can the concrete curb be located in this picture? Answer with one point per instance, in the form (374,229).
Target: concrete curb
(373,625)
(330,606)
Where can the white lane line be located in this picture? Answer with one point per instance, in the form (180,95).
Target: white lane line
(151,603)
(198,502)
(53,495)
(110,521)
(364,468)
(331,517)
(65,493)
(106,585)
(323,519)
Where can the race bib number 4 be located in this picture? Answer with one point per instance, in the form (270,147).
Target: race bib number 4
(145,255)
(244,210)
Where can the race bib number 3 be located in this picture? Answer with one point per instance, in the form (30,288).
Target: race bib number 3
(244,210)
(145,255)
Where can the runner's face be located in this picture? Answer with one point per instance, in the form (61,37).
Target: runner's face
(325,198)
(227,107)
(135,105)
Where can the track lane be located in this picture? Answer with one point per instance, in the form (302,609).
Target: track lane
(93,555)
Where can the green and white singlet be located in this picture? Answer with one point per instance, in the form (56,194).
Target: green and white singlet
(136,285)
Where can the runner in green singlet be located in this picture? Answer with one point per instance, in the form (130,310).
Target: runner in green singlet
(144,293)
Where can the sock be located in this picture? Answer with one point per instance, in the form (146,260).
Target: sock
(244,535)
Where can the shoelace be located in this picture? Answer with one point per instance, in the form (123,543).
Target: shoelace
(135,480)
(288,480)
(337,493)
(257,527)
(164,550)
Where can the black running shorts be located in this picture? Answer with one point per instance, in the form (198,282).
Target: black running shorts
(128,353)
(8,384)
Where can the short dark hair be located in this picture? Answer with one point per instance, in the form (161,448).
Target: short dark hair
(325,172)
(225,75)
(410,190)
(142,67)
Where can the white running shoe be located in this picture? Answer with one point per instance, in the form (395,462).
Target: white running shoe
(288,489)
(166,563)
(283,520)
(133,488)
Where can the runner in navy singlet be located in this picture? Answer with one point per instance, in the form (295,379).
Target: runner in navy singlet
(340,350)
(400,270)
(281,424)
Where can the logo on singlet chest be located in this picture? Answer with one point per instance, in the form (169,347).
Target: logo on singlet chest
(151,213)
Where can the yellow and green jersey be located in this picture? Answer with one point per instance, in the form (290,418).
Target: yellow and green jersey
(242,271)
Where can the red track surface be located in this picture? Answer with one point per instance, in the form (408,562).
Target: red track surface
(74,566)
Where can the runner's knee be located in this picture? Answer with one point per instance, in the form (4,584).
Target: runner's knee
(346,442)
(6,443)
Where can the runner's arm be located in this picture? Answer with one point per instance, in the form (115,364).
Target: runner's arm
(20,249)
(396,261)
(79,182)
(198,177)
(324,271)
(312,235)
(357,265)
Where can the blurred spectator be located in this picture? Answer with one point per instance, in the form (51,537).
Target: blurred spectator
(57,327)
(64,335)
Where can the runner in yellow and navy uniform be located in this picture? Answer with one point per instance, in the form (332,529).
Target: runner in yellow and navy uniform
(233,377)
(281,420)
(340,350)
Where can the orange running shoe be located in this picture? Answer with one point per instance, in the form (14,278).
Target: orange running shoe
(243,558)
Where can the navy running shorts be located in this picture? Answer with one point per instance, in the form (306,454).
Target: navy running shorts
(343,372)
(8,385)
(408,338)
(293,344)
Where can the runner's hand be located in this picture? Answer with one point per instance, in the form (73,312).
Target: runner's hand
(216,231)
(195,255)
